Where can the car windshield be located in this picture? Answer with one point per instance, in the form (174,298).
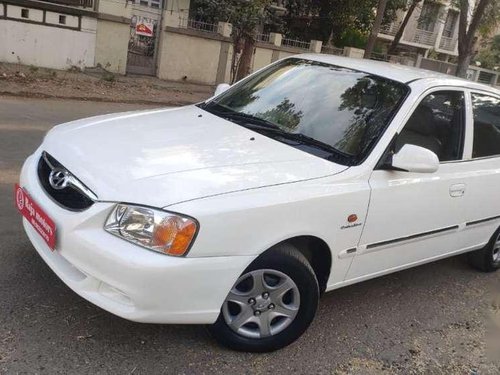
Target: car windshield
(330,111)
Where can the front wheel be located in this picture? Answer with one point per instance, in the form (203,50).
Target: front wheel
(271,304)
(488,258)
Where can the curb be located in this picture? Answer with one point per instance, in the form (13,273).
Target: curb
(32,95)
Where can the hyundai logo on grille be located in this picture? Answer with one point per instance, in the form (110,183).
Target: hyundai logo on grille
(59,178)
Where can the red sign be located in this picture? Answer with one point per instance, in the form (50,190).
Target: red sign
(36,216)
(144,26)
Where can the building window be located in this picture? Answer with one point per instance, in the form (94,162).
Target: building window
(450,23)
(428,17)
(25,13)
(149,3)
(62,19)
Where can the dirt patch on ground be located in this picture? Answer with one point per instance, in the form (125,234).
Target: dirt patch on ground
(97,85)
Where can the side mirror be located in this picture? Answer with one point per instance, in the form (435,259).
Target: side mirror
(413,158)
(221,88)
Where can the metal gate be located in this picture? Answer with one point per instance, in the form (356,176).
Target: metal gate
(142,45)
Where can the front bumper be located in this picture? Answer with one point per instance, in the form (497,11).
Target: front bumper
(125,279)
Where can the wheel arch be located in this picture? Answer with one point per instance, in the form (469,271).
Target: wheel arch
(318,254)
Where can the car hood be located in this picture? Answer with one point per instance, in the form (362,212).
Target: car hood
(166,156)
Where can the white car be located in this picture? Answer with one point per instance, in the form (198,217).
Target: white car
(311,174)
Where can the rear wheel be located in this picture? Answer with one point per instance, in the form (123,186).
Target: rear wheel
(271,304)
(488,258)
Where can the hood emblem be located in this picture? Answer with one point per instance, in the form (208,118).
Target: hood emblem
(59,178)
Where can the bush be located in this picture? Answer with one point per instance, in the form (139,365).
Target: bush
(108,77)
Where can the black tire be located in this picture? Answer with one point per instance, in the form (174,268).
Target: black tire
(286,259)
(486,260)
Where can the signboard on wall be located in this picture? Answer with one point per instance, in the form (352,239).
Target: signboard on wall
(144,26)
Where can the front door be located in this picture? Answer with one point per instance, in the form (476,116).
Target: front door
(414,216)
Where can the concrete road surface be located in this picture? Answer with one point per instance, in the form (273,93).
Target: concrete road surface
(431,319)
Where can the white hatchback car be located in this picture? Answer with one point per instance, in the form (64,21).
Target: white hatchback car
(313,173)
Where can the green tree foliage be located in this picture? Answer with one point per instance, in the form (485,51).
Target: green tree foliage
(284,114)
(490,54)
(481,17)
(327,20)
(335,21)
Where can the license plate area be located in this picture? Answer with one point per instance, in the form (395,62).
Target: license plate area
(36,216)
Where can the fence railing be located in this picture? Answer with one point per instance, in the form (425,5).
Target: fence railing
(295,43)
(447,43)
(207,27)
(332,50)
(403,59)
(379,56)
(263,38)
(486,77)
(424,37)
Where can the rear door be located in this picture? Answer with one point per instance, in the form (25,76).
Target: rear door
(416,216)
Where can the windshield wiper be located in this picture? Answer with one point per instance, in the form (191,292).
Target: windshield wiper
(261,125)
(239,116)
(297,137)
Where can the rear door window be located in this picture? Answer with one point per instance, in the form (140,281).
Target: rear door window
(486,126)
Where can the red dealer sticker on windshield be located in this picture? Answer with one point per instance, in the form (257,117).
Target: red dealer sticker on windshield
(42,223)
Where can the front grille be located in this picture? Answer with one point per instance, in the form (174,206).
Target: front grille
(70,197)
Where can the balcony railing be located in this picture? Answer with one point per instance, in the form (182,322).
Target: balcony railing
(75,3)
(447,43)
(425,37)
(390,29)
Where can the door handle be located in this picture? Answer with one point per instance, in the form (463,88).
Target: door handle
(457,190)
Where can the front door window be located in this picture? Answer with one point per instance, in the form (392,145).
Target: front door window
(437,125)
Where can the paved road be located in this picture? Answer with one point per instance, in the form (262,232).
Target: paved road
(431,319)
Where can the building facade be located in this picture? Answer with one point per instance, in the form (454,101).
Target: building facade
(119,35)
(157,38)
(431,30)
(48,34)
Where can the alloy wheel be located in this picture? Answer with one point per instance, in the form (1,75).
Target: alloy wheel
(262,303)
(496,250)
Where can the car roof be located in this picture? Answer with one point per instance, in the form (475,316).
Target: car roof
(396,72)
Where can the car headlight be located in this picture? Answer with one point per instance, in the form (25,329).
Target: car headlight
(154,229)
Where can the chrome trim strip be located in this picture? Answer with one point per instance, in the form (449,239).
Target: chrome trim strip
(44,156)
(411,237)
(480,221)
(77,185)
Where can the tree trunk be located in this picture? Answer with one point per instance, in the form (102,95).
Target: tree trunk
(463,65)
(399,34)
(375,29)
(235,59)
(325,22)
(467,35)
(245,63)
